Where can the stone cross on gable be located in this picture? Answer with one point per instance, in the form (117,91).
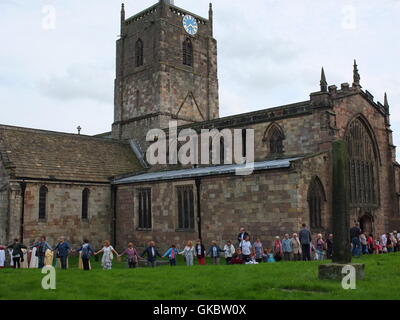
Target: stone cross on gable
(79,129)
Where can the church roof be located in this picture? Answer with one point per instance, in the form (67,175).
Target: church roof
(204,171)
(39,154)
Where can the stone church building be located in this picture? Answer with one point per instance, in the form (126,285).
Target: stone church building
(102,187)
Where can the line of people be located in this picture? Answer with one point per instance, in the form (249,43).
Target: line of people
(297,247)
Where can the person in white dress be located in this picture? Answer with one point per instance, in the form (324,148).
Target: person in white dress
(34,263)
(107,251)
(188,253)
(24,261)
(2,257)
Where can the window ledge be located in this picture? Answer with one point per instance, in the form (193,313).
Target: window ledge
(185,230)
(144,229)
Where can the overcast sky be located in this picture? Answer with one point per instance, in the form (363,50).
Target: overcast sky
(58,73)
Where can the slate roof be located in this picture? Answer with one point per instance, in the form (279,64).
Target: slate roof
(203,171)
(40,154)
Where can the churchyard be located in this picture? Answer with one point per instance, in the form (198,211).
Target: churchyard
(281,280)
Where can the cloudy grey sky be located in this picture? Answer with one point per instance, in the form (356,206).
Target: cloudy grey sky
(58,74)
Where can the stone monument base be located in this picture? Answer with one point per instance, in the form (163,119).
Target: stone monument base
(333,271)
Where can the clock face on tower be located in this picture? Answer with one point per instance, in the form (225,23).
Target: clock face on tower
(190,25)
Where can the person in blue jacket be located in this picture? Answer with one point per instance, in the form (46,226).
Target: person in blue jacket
(171,253)
(214,252)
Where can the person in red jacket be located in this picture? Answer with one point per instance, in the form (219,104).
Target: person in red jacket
(237,257)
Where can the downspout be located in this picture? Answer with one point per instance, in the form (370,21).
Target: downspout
(114,213)
(198,186)
(21,228)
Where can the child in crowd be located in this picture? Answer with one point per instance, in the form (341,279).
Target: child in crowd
(107,251)
(270,256)
(200,252)
(171,253)
(237,257)
(377,247)
(278,251)
(214,252)
(246,248)
(258,249)
(229,250)
(132,254)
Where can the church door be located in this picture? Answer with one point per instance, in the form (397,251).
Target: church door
(366,224)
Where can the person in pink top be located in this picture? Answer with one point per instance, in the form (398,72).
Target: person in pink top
(132,255)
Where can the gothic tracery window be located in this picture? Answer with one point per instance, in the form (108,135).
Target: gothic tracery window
(275,139)
(187,52)
(139,53)
(362,165)
(316,198)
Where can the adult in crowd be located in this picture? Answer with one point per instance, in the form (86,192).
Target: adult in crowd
(242,235)
(370,243)
(17,254)
(229,251)
(172,252)
(258,250)
(287,248)
(319,247)
(355,233)
(383,242)
(152,254)
(305,240)
(214,252)
(277,249)
(296,246)
(394,242)
(41,246)
(2,256)
(107,250)
(363,241)
(132,255)
(200,252)
(63,250)
(188,252)
(389,243)
(246,247)
(85,251)
(329,246)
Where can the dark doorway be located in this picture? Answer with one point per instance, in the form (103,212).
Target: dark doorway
(366,223)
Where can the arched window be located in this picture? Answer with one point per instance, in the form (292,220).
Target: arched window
(187,52)
(363,176)
(315,199)
(139,53)
(85,204)
(222,151)
(42,202)
(274,139)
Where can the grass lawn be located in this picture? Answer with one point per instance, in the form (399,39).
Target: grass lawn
(282,280)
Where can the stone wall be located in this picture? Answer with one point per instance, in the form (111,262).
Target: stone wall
(3,204)
(63,214)
(267,204)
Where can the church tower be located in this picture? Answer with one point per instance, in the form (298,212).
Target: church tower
(166,70)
